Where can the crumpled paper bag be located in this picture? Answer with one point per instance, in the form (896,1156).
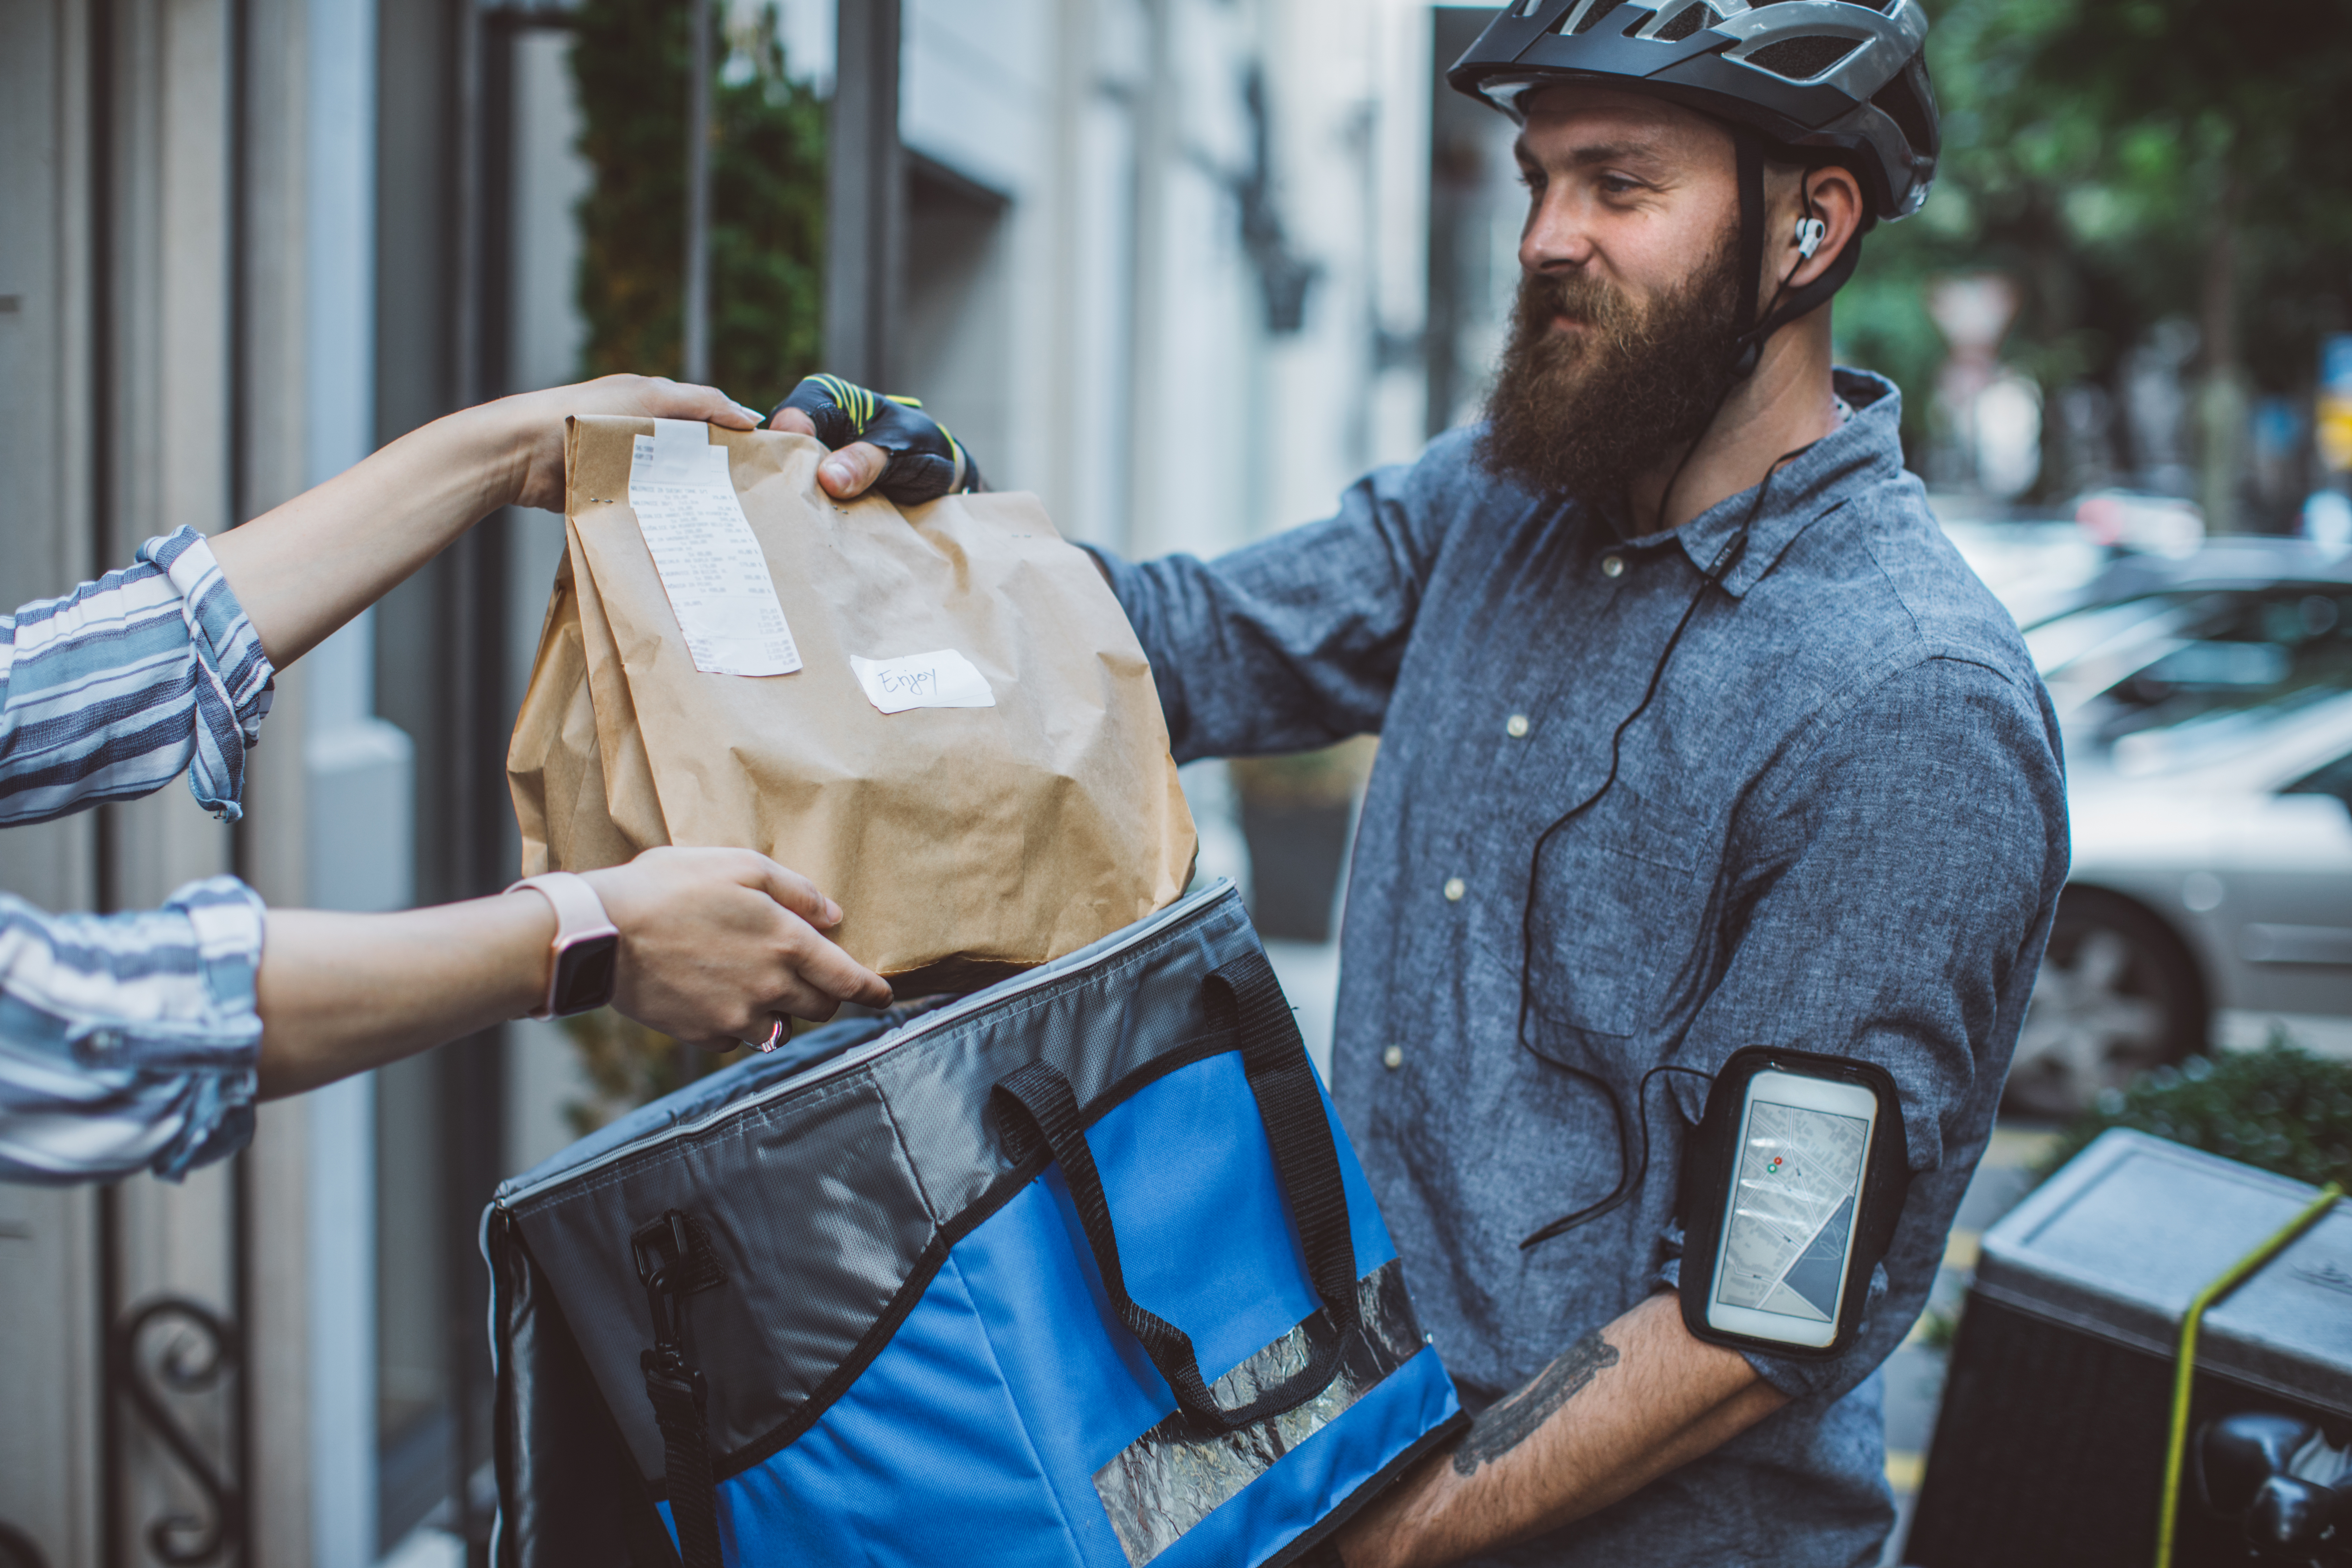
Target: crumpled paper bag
(964,844)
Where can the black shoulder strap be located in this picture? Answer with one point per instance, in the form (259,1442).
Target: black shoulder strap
(1244,996)
(675,1261)
(679,1401)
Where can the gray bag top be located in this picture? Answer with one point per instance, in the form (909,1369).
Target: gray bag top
(2120,1242)
(832,1190)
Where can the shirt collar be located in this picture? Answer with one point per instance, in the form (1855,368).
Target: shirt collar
(1868,445)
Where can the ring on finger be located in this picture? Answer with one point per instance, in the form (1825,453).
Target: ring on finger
(775,1035)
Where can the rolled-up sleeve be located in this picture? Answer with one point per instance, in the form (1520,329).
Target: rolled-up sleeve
(1897,876)
(129,1042)
(110,691)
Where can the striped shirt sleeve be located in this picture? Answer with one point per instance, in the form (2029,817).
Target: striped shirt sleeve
(129,1042)
(111,690)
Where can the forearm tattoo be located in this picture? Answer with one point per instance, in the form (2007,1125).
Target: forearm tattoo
(1511,1421)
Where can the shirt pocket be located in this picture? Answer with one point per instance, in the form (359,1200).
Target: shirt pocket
(1620,903)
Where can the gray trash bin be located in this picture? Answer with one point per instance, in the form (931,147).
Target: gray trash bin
(2051,1443)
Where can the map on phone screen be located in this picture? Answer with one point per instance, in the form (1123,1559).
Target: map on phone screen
(1800,1175)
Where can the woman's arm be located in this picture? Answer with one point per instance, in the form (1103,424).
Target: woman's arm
(303,569)
(713,944)
(140,1041)
(110,691)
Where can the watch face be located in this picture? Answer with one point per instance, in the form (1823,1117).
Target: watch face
(585,974)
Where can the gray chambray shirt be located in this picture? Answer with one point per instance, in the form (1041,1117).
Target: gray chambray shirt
(1841,826)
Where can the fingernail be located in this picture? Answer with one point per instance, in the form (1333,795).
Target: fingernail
(832,913)
(837,472)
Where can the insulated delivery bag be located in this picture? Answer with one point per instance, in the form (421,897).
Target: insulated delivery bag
(1076,1270)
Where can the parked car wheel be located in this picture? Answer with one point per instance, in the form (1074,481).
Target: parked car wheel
(2118,992)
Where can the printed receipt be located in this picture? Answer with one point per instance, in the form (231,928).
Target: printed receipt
(941,680)
(704,552)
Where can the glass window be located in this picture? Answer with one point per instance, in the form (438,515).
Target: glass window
(2170,660)
(2335,778)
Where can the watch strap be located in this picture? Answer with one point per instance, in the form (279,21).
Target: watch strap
(579,917)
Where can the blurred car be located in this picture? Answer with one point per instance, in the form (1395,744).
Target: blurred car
(2206,703)
(2036,567)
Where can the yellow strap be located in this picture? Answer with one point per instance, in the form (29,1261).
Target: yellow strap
(2185,1371)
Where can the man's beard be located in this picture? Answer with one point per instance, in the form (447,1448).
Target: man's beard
(1580,413)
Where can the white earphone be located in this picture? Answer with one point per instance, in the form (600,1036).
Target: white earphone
(1810,232)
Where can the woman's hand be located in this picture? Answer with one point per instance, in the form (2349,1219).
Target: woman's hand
(716,943)
(532,425)
(305,568)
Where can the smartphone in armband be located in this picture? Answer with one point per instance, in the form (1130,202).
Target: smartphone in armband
(1791,1184)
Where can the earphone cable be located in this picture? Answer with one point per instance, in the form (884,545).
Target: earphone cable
(1642,1122)
(1630,1172)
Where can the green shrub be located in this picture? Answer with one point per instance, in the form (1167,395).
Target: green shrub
(2279,1108)
(767,200)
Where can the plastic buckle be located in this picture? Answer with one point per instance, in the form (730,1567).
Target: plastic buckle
(654,1270)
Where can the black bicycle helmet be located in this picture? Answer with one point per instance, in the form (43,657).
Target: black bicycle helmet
(1840,81)
(1836,77)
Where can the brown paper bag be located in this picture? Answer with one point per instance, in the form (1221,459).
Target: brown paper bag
(964,844)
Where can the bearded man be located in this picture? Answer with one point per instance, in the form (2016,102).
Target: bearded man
(1696,734)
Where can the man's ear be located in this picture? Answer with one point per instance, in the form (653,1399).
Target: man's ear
(1829,195)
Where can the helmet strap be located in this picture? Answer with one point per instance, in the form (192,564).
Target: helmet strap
(1749,153)
(1785,306)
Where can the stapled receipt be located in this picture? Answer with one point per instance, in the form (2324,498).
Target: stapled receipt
(705,555)
(941,680)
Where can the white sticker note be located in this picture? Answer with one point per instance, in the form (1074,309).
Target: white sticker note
(941,680)
(704,552)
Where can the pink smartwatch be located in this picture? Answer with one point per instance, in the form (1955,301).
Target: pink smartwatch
(587,945)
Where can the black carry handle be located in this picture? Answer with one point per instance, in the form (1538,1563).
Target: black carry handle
(1243,994)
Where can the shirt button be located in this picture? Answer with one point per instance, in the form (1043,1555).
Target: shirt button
(1454,889)
(1516,725)
(1612,566)
(1393,1057)
(97,1045)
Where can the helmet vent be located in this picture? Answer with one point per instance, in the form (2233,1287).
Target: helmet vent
(1802,59)
(1903,107)
(1689,20)
(1591,18)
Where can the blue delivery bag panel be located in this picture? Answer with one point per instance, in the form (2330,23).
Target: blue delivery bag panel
(1078,1270)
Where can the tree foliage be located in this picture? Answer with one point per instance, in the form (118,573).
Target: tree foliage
(2094,150)
(767,179)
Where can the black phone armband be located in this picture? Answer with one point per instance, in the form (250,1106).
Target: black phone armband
(1712,1172)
